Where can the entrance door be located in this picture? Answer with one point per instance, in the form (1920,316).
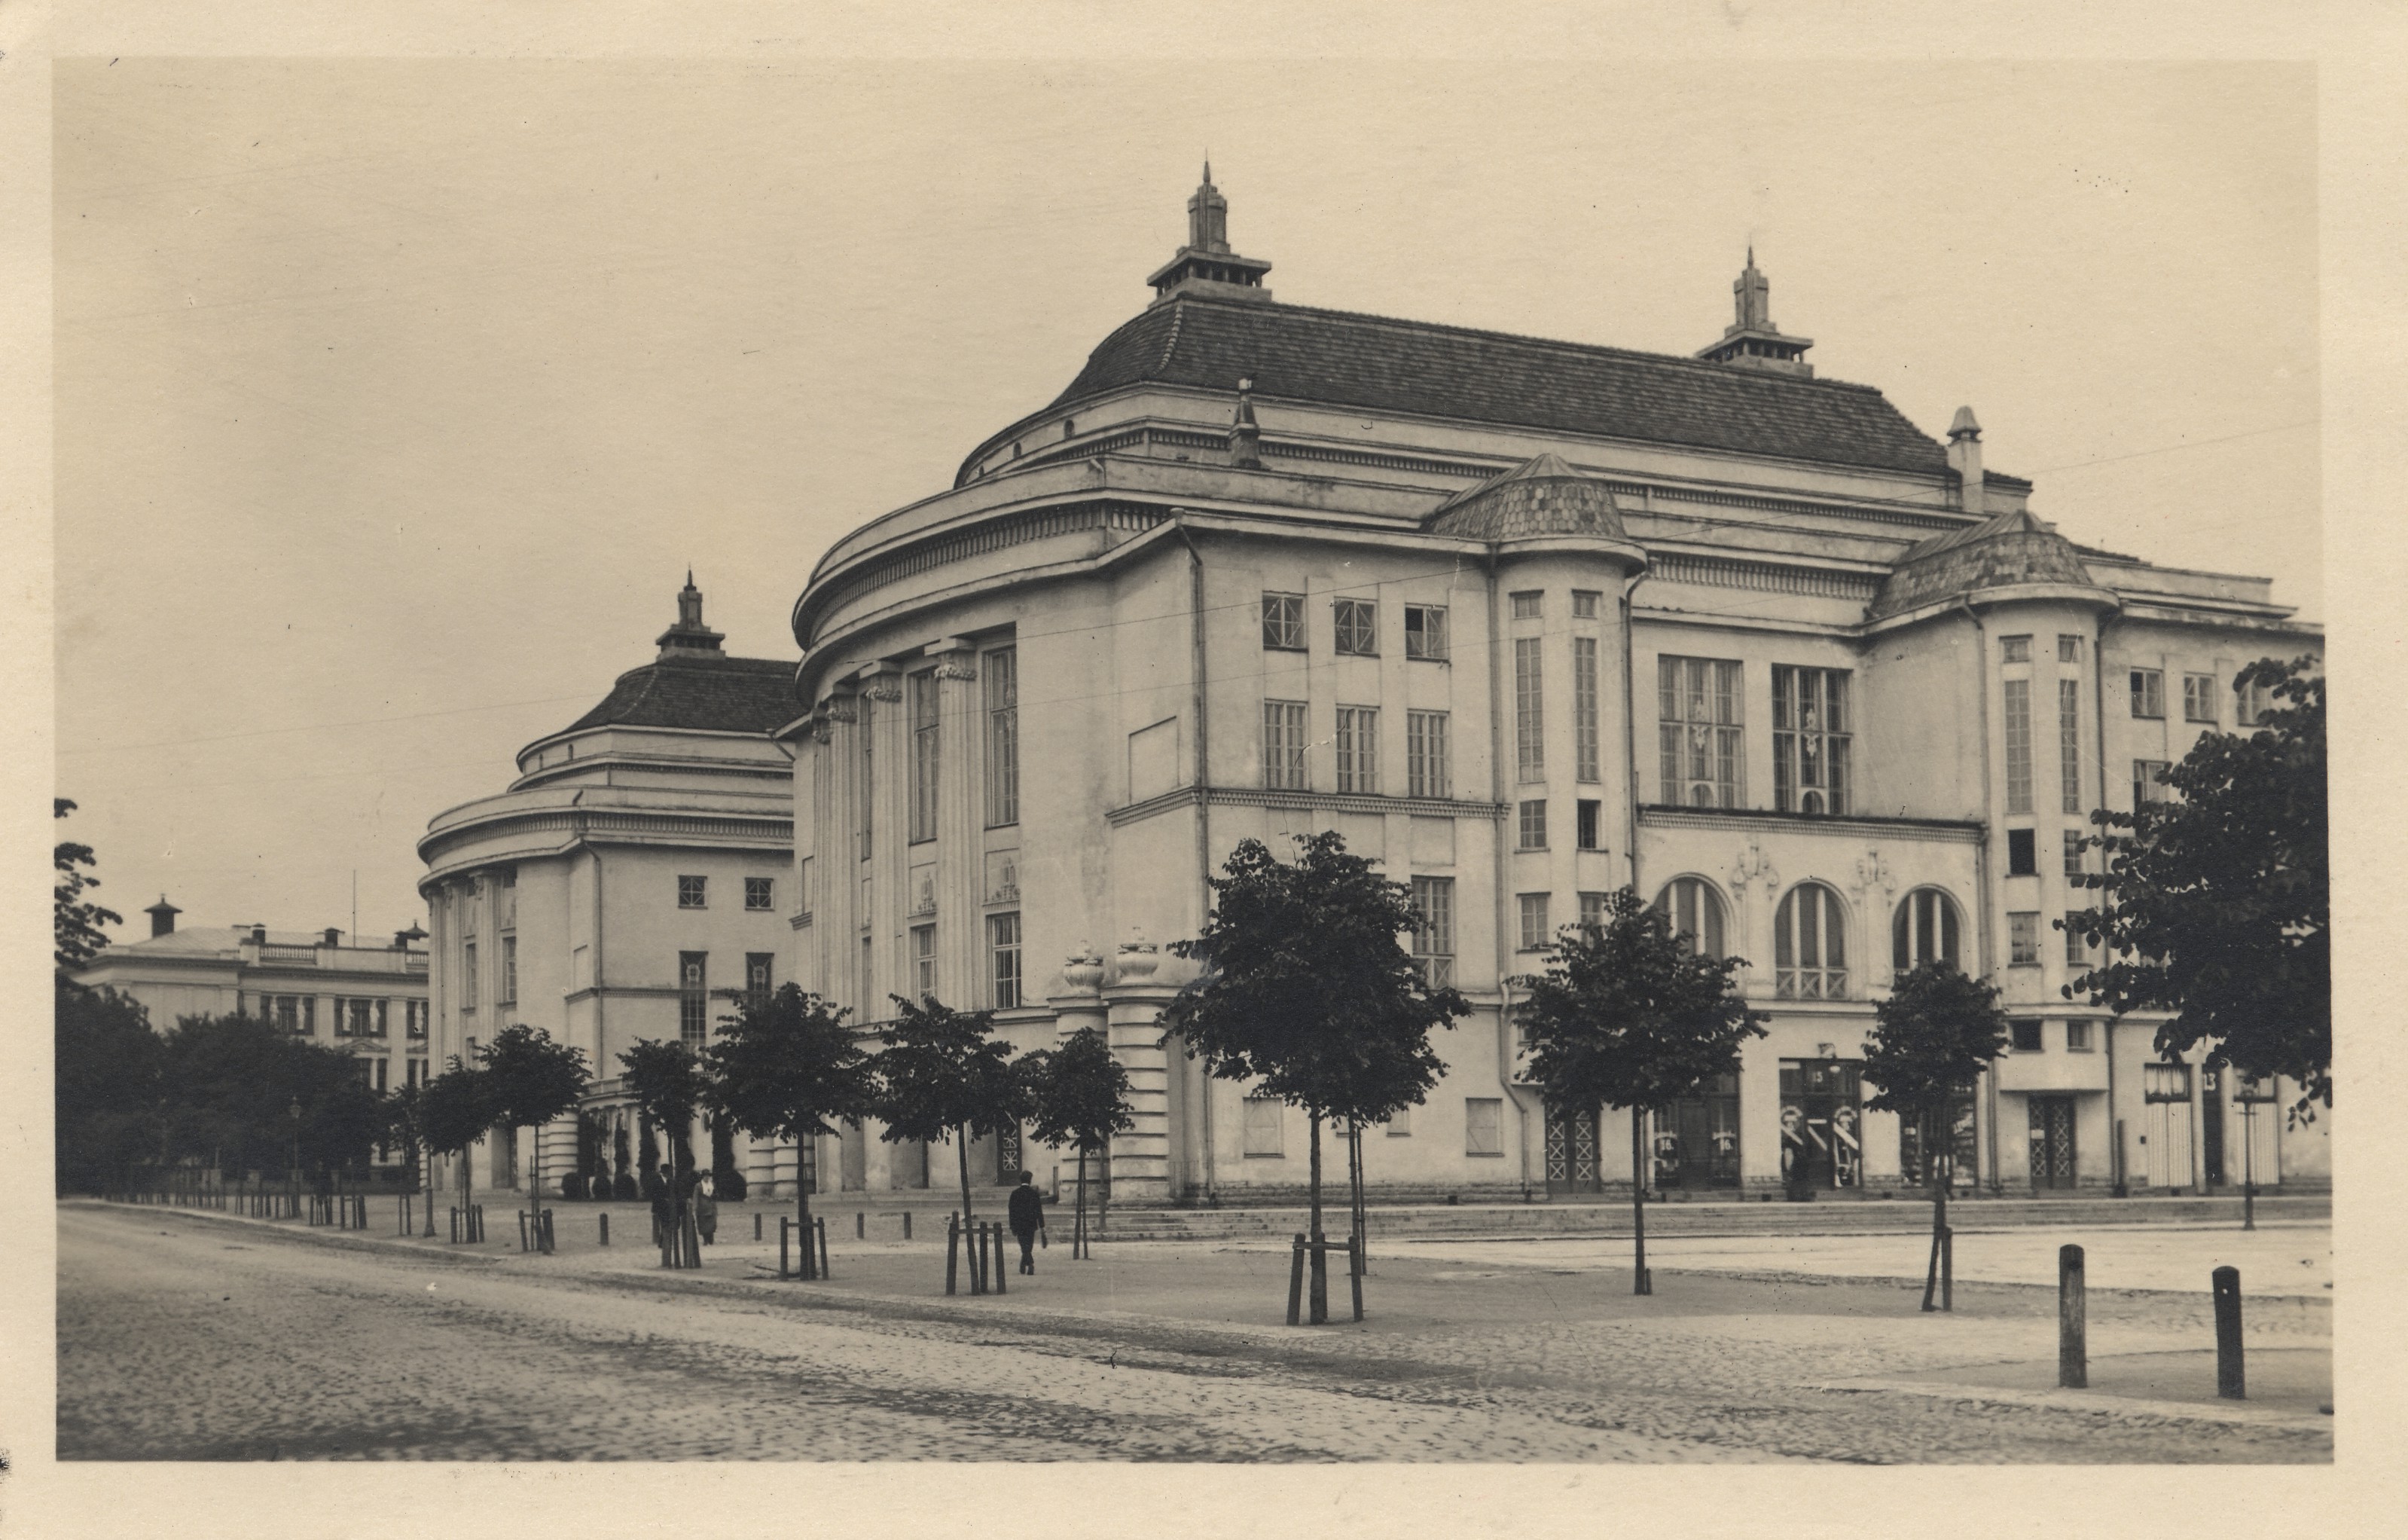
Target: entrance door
(2210,1125)
(2165,1125)
(1696,1140)
(1822,1142)
(2052,1142)
(1571,1154)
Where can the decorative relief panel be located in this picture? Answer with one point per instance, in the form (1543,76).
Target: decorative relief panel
(1003,876)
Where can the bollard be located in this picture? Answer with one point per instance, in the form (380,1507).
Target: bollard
(522,1229)
(2225,1283)
(1948,1268)
(783,1223)
(605,1227)
(455,1225)
(1000,1261)
(860,1225)
(821,1226)
(550,1246)
(757,1226)
(1295,1283)
(978,1259)
(2072,1354)
(952,1246)
(1355,1269)
(907,1224)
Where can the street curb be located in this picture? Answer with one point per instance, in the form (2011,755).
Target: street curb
(334,1240)
(2241,1415)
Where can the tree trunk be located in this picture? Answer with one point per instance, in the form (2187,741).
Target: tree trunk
(535,1164)
(1320,1259)
(962,1148)
(803,1205)
(1079,1216)
(1935,1173)
(1639,1282)
(1354,1226)
(689,1238)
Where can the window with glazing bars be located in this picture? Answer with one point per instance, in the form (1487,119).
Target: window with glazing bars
(694,892)
(1001,676)
(2073,853)
(1526,604)
(694,998)
(1810,950)
(1426,631)
(1434,930)
(1358,627)
(1811,739)
(2077,949)
(2199,698)
(509,980)
(469,991)
(1698,721)
(2148,692)
(924,961)
(1283,622)
(1925,930)
(1534,934)
(1584,756)
(1530,711)
(1003,954)
(924,756)
(1358,749)
(2250,704)
(761,893)
(1696,913)
(2023,938)
(1592,908)
(1533,824)
(1427,766)
(2146,787)
(2068,741)
(757,967)
(2019,745)
(1283,745)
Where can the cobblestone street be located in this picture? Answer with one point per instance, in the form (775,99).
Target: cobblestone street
(184,1337)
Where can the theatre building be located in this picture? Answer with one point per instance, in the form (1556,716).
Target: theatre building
(1525,621)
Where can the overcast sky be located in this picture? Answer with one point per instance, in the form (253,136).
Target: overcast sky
(393,400)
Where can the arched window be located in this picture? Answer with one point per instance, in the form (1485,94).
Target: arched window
(1810,949)
(1925,930)
(1696,910)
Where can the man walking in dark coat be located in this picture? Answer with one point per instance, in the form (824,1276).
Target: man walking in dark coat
(1028,1218)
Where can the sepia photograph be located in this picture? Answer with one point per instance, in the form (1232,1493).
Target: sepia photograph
(1254,761)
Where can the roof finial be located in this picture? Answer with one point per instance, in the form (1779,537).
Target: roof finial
(1208,168)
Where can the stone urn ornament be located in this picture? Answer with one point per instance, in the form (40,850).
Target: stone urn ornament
(1083,970)
(1138,958)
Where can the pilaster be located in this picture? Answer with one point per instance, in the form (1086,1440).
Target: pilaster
(960,877)
(1142,1158)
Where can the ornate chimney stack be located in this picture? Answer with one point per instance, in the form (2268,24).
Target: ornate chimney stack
(163,916)
(1752,341)
(1965,459)
(689,637)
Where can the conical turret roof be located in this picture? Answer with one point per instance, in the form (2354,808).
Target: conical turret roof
(1543,496)
(2011,549)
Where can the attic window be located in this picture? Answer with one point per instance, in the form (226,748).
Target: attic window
(1069,426)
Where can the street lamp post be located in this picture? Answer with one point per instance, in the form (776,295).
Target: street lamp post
(293,1159)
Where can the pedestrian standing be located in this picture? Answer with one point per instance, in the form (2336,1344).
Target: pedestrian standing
(706,1209)
(1027,1214)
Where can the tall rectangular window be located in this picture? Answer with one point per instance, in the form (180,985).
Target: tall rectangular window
(924,961)
(1358,749)
(1358,627)
(1535,932)
(869,980)
(1592,909)
(2023,856)
(1283,623)
(2199,698)
(1003,962)
(694,998)
(1484,1125)
(761,893)
(2023,938)
(2077,950)
(2073,853)
(924,756)
(2250,704)
(1001,679)
(694,892)
(1532,825)
(1427,766)
(2068,741)
(1586,815)
(2019,746)
(1283,745)
(469,994)
(1434,930)
(1584,756)
(1699,727)
(2148,692)
(510,979)
(1530,711)
(1426,631)
(757,985)
(1811,739)
(2145,786)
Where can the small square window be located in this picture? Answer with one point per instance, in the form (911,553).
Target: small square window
(2023,1036)
(760,892)
(1587,812)
(2023,938)
(1283,623)
(1358,628)
(1585,603)
(2021,860)
(1525,605)
(2069,648)
(2077,1037)
(1426,631)
(2014,649)
(692,892)
(1534,823)
(2148,693)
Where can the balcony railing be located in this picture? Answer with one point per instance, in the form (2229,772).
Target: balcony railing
(354,959)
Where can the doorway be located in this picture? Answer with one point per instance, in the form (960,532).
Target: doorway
(1694,1142)
(2165,1125)
(1822,1142)
(1571,1154)
(2210,1125)
(2052,1143)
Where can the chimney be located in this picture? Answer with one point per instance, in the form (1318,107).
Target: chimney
(259,935)
(1965,459)
(163,916)
(334,936)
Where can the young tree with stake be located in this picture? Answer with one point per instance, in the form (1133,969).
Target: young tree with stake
(669,1088)
(1306,988)
(532,1079)
(1930,1041)
(789,1069)
(1078,1096)
(1630,1014)
(940,1072)
(455,1111)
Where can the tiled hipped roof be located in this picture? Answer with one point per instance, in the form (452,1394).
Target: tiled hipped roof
(699,693)
(2011,549)
(1343,359)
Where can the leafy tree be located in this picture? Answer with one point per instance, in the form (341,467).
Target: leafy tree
(788,1069)
(455,1111)
(107,1089)
(76,936)
(1929,1043)
(669,1086)
(1305,988)
(1628,1015)
(531,1080)
(242,1093)
(940,1072)
(2219,906)
(1078,1095)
